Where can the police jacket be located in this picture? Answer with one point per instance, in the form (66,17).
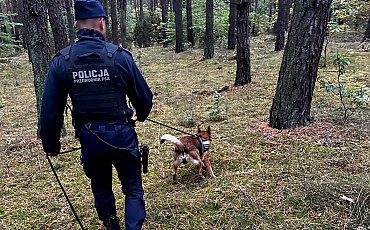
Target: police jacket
(97,76)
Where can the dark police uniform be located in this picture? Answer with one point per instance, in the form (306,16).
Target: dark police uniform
(98,76)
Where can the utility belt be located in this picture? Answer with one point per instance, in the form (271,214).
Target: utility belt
(98,129)
(110,125)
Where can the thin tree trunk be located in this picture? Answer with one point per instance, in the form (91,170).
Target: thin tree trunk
(141,12)
(123,24)
(9,9)
(107,21)
(282,24)
(35,22)
(20,16)
(243,68)
(177,5)
(136,11)
(171,5)
(208,37)
(113,14)
(271,13)
(189,22)
(291,106)
(70,22)
(367,32)
(255,26)
(232,27)
(164,5)
(58,28)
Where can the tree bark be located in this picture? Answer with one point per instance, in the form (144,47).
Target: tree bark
(114,19)
(208,37)
(20,18)
(70,22)
(232,27)
(291,106)
(35,22)
(367,32)
(141,12)
(55,9)
(282,24)
(107,21)
(270,29)
(177,6)
(164,5)
(255,26)
(123,22)
(189,22)
(243,68)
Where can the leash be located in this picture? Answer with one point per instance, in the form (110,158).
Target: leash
(159,123)
(64,192)
(71,150)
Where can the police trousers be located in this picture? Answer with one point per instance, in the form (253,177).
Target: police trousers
(98,160)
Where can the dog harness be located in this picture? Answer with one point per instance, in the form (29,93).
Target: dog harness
(205,145)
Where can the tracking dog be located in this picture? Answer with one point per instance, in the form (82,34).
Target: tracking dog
(194,149)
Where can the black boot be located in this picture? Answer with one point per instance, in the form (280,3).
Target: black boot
(112,223)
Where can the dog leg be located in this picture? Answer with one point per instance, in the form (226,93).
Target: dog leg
(200,170)
(174,173)
(197,162)
(176,164)
(208,166)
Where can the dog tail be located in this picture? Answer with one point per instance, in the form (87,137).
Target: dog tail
(173,140)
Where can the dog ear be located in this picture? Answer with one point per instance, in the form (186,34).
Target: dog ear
(198,129)
(209,131)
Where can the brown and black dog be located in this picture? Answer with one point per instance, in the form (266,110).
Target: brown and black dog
(194,149)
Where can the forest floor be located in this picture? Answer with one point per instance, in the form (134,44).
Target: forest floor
(313,177)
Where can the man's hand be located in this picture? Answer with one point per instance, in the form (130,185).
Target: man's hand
(52,154)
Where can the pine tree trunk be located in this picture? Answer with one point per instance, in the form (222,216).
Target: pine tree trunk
(123,22)
(20,16)
(255,27)
(70,22)
(232,27)
(113,15)
(141,12)
(35,23)
(171,5)
(55,9)
(164,5)
(208,37)
(177,6)
(189,22)
(292,102)
(271,13)
(282,24)
(107,21)
(243,68)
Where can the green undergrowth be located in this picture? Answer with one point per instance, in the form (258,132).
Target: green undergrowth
(314,177)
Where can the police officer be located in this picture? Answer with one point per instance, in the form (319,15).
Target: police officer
(98,76)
